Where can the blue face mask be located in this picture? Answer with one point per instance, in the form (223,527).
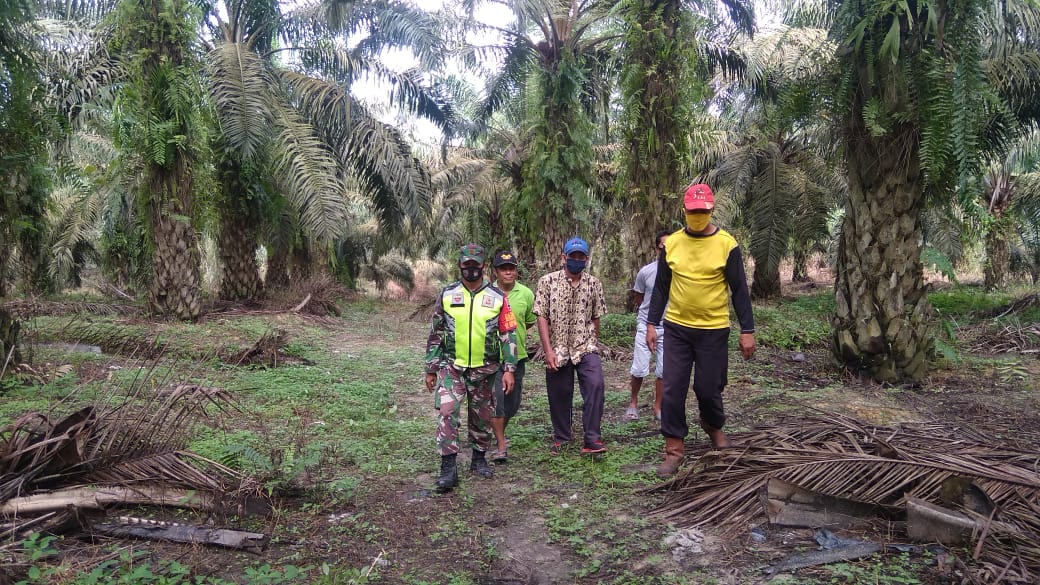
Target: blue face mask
(575,266)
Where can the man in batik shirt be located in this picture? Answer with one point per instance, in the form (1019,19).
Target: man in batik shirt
(569,304)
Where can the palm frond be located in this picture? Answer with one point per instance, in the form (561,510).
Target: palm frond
(374,154)
(240,85)
(509,80)
(308,175)
(74,218)
(137,436)
(841,457)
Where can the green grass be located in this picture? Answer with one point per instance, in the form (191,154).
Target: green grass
(357,422)
(795,325)
(963,303)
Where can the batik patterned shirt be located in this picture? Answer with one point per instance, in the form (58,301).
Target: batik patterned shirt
(570,311)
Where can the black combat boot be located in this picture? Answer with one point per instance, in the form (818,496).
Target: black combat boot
(479,465)
(449,474)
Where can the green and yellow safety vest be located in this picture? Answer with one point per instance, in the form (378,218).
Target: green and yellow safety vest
(472,325)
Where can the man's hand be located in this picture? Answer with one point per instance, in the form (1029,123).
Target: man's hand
(651,338)
(551,361)
(746,343)
(431,381)
(507,382)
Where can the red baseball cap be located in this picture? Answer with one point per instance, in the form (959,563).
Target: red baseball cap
(699,196)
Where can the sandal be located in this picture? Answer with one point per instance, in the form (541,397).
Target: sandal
(632,414)
(500,457)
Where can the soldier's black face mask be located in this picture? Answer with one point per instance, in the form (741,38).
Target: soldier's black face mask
(472,273)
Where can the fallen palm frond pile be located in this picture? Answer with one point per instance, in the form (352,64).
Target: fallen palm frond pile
(1011,338)
(884,467)
(134,341)
(126,448)
(267,350)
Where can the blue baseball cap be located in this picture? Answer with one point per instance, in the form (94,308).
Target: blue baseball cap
(576,244)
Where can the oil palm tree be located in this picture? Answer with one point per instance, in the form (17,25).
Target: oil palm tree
(668,47)
(25,127)
(911,111)
(551,55)
(300,125)
(160,117)
(775,168)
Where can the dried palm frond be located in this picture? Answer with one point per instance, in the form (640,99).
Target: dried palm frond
(841,457)
(1012,338)
(128,436)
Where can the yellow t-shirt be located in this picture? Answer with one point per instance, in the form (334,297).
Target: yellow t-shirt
(699,294)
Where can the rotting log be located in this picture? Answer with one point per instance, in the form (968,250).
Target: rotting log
(253,542)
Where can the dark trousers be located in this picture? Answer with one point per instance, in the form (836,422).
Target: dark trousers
(560,387)
(707,352)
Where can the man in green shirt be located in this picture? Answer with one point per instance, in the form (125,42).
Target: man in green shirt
(521,299)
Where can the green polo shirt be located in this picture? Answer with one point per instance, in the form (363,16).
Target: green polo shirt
(521,302)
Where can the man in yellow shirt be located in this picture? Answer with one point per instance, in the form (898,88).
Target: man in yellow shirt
(698,270)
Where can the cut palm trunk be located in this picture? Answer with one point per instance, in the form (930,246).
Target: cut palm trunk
(786,504)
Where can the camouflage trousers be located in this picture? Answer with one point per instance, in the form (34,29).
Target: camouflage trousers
(474,385)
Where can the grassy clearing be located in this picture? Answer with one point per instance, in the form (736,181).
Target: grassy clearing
(343,440)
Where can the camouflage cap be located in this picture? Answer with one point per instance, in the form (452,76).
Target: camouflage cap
(471,252)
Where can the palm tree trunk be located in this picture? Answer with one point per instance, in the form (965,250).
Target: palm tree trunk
(998,254)
(9,328)
(5,256)
(765,284)
(552,245)
(525,251)
(176,282)
(800,266)
(277,276)
(238,244)
(657,144)
(880,326)
(302,266)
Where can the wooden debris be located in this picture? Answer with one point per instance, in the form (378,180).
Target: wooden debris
(99,498)
(786,504)
(128,527)
(840,457)
(302,304)
(823,557)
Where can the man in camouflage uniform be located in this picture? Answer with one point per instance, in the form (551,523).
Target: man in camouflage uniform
(473,332)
